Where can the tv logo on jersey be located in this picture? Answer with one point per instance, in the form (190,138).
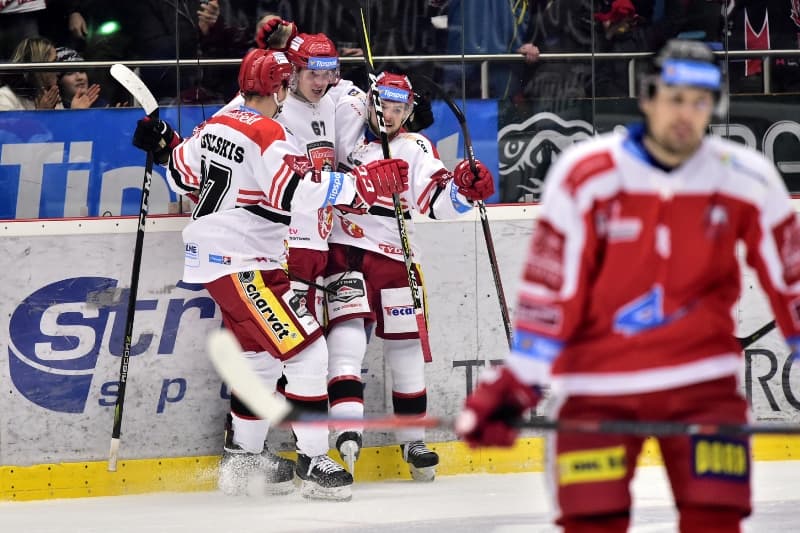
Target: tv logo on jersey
(56,335)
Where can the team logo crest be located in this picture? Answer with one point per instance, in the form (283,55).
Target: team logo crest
(325,221)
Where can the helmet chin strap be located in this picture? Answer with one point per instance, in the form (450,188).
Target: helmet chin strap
(278,105)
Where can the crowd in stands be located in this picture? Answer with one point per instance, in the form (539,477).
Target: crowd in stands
(188,30)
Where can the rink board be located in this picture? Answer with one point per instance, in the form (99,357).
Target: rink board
(64,295)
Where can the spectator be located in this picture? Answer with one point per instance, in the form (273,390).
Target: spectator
(18,20)
(76,93)
(477,27)
(33,89)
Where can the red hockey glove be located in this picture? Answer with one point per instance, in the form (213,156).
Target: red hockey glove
(491,411)
(155,136)
(383,177)
(302,165)
(474,187)
(267,31)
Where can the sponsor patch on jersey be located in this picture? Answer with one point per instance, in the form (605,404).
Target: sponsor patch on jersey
(787,239)
(219,259)
(345,290)
(269,311)
(353,92)
(592,466)
(351,228)
(192,254)
(545,264)
(539,315)
(720,458)
(390,248)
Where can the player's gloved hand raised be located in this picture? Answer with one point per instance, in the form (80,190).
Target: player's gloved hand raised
(264,37)
(474,187)
(383,177)
(155,136)
(422,116)
(491,411)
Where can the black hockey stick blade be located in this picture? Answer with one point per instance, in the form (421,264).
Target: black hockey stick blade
(756,335)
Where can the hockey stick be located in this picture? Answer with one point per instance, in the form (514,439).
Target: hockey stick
(226,356)
(756,335)
(413,283)
(139,91)
(487,232)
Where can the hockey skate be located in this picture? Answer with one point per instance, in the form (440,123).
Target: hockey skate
(322,478)
(421,460)
(245,473)
(349,446)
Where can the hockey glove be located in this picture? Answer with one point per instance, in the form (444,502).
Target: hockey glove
(383,177)
(492,410)
(264,38)
(474,185)
(422,117)
(155,136)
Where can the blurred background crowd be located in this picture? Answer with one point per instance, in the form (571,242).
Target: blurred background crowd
(554,71)
(187,30)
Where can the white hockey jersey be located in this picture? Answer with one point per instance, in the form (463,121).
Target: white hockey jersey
(632,271)
(314,131)
(237,162)
(313,128)
(431,192)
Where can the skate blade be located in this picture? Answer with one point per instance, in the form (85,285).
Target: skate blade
(349,452)
(425,474)
(280,488)
(312,491)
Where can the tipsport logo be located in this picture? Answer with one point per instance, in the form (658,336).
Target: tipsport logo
(57,333)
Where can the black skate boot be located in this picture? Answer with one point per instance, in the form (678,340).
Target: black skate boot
(349,446)
(421,460)
(242,472)
(279,472)
(323,478)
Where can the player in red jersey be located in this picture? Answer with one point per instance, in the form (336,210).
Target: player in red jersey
(625,304)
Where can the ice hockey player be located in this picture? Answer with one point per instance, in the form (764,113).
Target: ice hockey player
(250,178)
(367,277)
(625,305)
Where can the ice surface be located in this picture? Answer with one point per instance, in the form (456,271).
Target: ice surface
(499,503)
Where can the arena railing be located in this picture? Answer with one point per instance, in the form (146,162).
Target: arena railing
(632,58)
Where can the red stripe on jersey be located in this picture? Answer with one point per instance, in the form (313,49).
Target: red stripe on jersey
(279,185)
(424,200)
(249,201)
(256,192)
(180,163)
(587,168)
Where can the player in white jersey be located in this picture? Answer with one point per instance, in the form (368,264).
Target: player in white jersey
(250,178)
(309,114)
(625,306)
(368,281)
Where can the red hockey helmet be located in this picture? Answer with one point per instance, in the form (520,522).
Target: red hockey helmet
(264,72)
(314,52)
(394,88)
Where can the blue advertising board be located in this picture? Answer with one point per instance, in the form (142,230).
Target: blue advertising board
(70,163)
